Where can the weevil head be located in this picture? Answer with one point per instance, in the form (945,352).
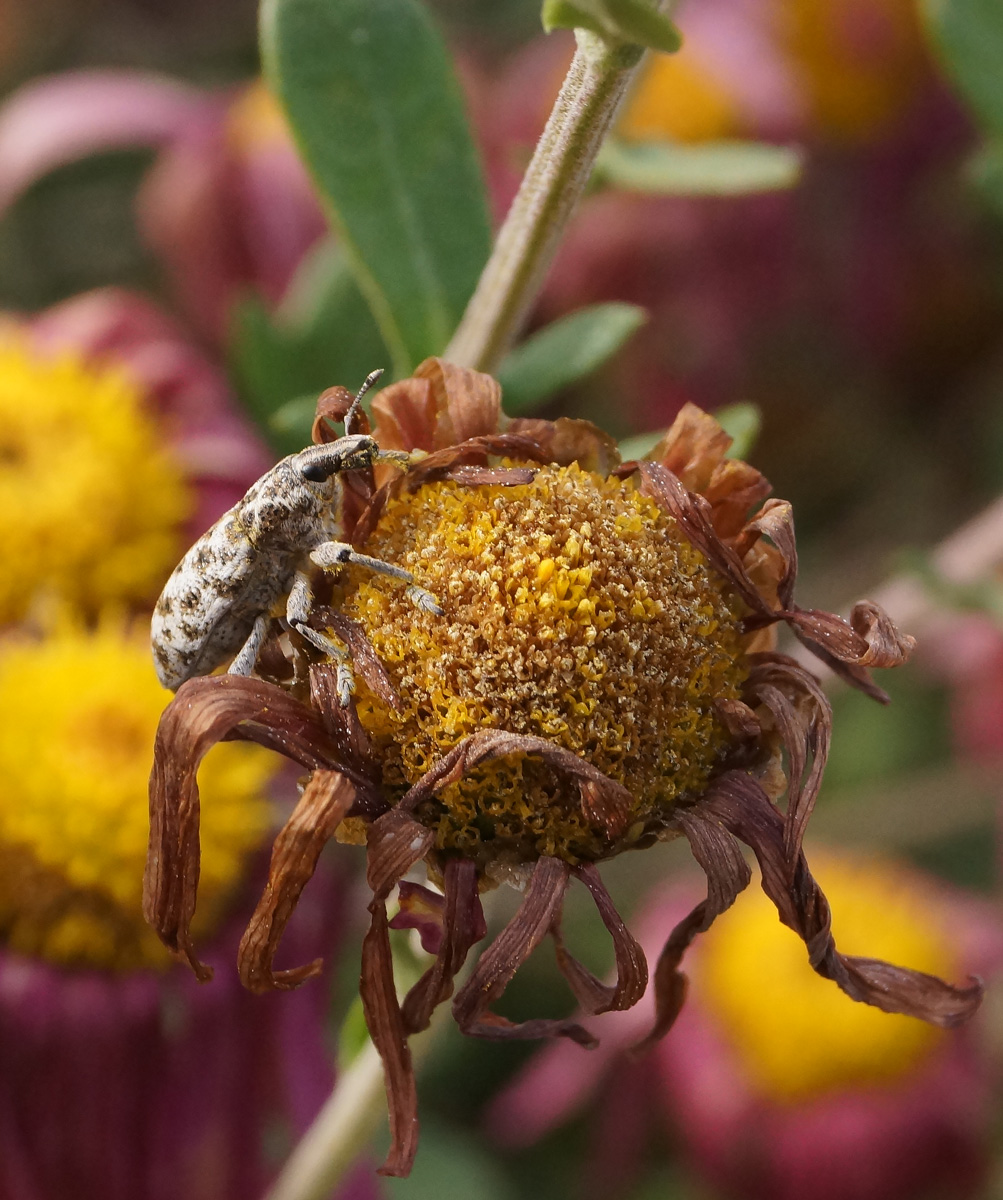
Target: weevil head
(320,465)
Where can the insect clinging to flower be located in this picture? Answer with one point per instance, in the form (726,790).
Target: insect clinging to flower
(219,599)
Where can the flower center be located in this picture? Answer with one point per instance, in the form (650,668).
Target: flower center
(90,503)
(796,1035)
(574,611)
(78,714)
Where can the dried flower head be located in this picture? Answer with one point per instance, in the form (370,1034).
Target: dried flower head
(604,676)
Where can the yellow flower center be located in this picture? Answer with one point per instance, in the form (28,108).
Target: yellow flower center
(78,714)
(90,503)
(574,611)
(795,1035)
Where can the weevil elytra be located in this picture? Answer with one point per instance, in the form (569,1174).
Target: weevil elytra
(217,602)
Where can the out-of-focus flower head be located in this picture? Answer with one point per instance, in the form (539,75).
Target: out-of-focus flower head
(227,205)
(123,1079)
(119,443)
(778,1086)
(602,676)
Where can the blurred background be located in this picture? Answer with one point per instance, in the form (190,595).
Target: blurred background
(155,221)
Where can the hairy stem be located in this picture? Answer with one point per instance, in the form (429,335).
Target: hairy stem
(560,168)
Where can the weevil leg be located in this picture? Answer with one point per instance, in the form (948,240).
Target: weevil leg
(298,608)
(247,655)
(337,554)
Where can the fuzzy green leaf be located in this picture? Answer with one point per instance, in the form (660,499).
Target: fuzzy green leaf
(707,169)
(564,352)
(376,110)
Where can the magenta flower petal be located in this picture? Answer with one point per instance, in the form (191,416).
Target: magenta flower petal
(63,118)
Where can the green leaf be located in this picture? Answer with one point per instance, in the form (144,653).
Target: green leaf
(565,351)
(640,445)
(323,334)
(705,169)
(451,1163)
(370,94)
(985,169)
(637,22)
(968,38)
(742,423)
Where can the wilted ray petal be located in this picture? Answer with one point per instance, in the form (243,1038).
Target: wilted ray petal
(886,647)
(510,949)
(805,725)
(631,968)
(604,801)
(570,440)
(203,712)
(728,874)
(744,808)
(395,843)
(472,453)
(366,661)
(467,403)
(463,926)
(423,910)
(386,1028)
(320,810)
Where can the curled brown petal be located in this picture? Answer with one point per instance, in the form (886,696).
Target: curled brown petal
(886,647)
(728,874)
(743,807)
(322,807)
(395,843)
(804,720)
(423,910)
(734,489)
(631,968)
(471,476)
(692,448)
(365,660)
(332,408)
(204,711)
(569,440)
(474,451)
(604,802)
(467,403)
(386,1027)
(510,949)
(463,926)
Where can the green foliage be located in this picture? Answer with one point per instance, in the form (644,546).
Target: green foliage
(564,352)
(324,334)
(451,1163)
(375,108)
(968,37)
(637,22)
(708,169)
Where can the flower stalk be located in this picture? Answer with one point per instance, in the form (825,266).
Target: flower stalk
(596,83)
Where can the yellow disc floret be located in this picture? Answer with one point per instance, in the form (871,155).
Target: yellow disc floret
(90,502)
(574,611)
(795,1035)
(78,714)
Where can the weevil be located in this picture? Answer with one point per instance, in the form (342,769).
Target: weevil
(217,602)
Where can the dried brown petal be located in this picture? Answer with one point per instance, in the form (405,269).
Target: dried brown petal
(631,968)
(804,720)
(467,403)
(474,451)
(386,1027)
(604,802)
(324,804)
(204,711)
(395,843)
(886,647)
(738,719)
(332,408)
(463,926)
(510,949)
(567,440)
(743,807)
(694,445)
(728,874)
(470,476)
(365,660)
(734,490)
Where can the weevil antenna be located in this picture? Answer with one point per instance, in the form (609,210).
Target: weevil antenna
(367,383)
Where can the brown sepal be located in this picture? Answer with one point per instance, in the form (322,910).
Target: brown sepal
(463,926)
(631,967)
(745,810)
(510,949)
(322,807)
(204,711)
(604,802)
(728,874)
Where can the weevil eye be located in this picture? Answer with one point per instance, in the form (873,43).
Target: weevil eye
(318,472)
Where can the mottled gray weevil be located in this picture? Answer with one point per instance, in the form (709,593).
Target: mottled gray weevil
(218,599)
